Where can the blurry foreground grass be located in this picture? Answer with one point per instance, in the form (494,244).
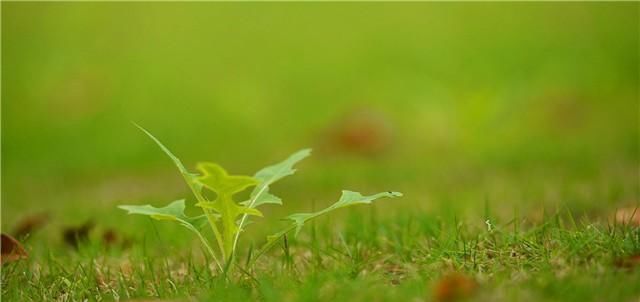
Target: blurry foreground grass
(395,259)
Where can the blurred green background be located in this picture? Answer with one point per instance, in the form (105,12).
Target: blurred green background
(520,106)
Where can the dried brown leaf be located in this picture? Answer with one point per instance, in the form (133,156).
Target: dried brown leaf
(29,224)
(76,235)
(12,250)
(454,287)
(628,262)
(628,216)
(362,132)
(109,237)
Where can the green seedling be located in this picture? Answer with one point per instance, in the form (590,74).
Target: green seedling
(226,217)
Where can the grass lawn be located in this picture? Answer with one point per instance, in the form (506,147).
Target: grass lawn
(512,129)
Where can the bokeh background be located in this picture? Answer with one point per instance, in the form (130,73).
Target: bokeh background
(520,107)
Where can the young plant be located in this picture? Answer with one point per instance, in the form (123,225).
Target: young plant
(226,217)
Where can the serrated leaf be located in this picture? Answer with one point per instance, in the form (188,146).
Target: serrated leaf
(192,182)
(216,205)
(273,173)
(264,198)
(216,179)
(266,177)
(269,175)
(174,211)
(348,198)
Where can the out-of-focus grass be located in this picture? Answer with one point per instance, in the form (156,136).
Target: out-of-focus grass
(470,89)
(522,108)
(401,258)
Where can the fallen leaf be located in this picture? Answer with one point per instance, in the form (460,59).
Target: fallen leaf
(12,250)
(628,216)
(454,287)
(628,262)
(563,111)
(361,131)
(29,224)
(109,237)
(73,236)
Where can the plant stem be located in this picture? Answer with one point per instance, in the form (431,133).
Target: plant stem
(210,218)
(205,242)
(271,243)
(216,232)
(244,217)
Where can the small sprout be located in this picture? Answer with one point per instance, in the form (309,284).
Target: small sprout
(227,217)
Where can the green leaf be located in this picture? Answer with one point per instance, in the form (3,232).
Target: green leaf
(174,211)
(348,198)
(264,198)
(194,185)
(266,177)
(273,173)
(270,175)
(216,179)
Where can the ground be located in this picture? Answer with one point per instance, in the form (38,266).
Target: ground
(512,130)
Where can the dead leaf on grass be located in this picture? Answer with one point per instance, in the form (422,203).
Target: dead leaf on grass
(628,216)
(454,287)
(74,236)
(362,131)
(111,238)
(12,250)
(29,224)
(628,262)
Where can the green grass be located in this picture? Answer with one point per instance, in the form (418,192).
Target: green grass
(399,258)
(525,114)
